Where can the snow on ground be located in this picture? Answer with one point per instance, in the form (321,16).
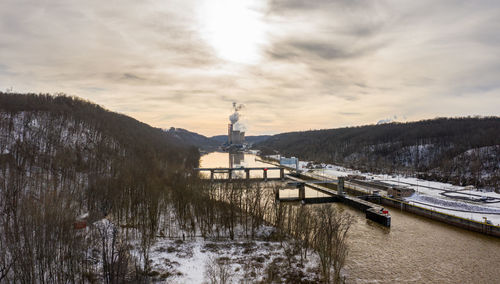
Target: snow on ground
(451,199)
(449,204)
(175,260)
(494,218)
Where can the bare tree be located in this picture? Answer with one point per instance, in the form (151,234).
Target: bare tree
(218,271)
(330,241)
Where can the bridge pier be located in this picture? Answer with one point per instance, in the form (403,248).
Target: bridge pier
(247,174)
(282,174)
(302,192)
(230,174)
(340,186)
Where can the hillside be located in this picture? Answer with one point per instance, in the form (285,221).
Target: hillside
(194,139)
(249,139)
(207,143)
(61,157)
(458,150)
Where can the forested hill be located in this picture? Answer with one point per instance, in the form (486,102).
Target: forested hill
(195,139)
(72,113)
(249,139)
(61,157)
(459,150)
(208,143)
(62,134)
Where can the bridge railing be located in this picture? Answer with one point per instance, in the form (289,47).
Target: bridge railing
(230,171)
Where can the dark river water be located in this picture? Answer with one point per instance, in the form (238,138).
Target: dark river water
(413,250)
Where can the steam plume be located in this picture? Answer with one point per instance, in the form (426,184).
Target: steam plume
(235,116)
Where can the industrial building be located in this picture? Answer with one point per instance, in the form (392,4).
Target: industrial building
(290,162)
(235,137)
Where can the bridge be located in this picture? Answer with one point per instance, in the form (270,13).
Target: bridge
(230,171)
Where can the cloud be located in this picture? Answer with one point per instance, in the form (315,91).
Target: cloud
(330,51)
(324,63)
(307,5)
(131,77)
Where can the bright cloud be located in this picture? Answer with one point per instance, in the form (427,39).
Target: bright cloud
(296,65)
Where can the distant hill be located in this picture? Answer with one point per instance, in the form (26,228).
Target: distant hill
(194,139)
(458,150)
(207,143)
(249,139)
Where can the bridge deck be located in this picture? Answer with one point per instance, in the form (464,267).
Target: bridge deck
(242,179)
(239,169)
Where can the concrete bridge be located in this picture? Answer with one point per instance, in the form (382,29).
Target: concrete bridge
(230,171)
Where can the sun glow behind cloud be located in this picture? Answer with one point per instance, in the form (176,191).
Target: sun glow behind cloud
(295,64)
(234,29)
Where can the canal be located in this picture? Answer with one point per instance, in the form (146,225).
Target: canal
(413,250)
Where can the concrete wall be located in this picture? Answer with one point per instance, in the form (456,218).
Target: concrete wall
(355,203)
(443,217)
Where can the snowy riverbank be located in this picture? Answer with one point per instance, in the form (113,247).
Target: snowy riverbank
(462,201)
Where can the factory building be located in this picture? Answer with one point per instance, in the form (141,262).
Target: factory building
(235,137)
(235,132)
(289,162)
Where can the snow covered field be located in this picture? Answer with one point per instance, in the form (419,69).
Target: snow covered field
(192,260)
(461,201)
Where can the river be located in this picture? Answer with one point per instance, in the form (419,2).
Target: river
(413,250)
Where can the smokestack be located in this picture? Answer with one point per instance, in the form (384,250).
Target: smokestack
(235,132)
(229,133)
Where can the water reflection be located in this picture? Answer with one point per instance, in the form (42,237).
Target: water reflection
(236,160)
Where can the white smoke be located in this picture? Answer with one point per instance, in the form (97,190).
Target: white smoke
(235,117)
(239,126)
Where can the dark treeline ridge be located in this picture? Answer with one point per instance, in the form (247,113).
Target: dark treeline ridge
(123,128)
(220,139)
(195,139)
(463,151)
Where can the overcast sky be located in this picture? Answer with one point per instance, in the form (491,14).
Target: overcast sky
(295,65)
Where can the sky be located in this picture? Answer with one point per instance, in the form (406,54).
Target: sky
(294,65)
